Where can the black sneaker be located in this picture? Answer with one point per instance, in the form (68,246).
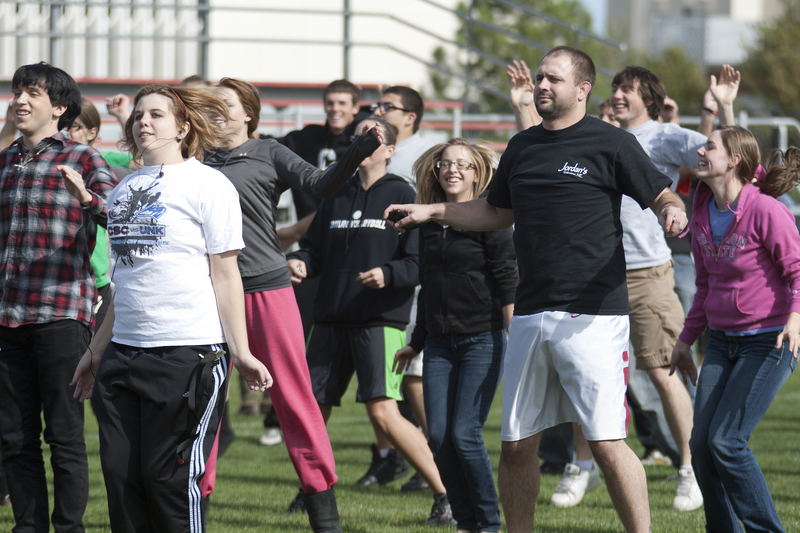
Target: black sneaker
(415,483)
(298,505)
(441,515)
(552,469)
(384,470)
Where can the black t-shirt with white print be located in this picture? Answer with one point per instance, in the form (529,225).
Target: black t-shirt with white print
(565,189)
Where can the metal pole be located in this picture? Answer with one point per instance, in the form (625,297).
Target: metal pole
(468,66)
(457,122)
(202,57)
(55,40)
(346,41)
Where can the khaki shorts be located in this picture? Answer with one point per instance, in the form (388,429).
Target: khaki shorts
(656,315)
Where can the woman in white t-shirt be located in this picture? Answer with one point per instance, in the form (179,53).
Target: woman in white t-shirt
(175,228)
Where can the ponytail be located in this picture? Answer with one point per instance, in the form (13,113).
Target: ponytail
(783,172)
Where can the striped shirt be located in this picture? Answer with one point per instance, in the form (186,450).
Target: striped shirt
(46,237)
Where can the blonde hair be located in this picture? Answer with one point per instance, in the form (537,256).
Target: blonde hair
(429,191)
(200,108)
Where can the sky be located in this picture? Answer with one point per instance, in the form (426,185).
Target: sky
(598,9)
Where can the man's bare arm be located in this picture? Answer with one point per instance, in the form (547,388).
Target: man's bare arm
(671,212)
(476,215)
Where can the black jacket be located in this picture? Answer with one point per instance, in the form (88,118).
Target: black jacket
(348,236)
(467,277)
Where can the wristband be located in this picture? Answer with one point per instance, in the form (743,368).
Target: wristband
(710,111)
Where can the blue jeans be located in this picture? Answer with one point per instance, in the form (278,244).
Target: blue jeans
(460,378)
(740,378)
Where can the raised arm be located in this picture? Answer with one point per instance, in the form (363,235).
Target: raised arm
(521,92)
(724,91)
(477,215)
(9,128)
(119,106)
(671,212)
(301,175)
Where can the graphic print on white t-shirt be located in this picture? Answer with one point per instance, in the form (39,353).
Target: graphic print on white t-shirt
(133,227)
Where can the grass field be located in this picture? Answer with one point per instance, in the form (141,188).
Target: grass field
(255,484)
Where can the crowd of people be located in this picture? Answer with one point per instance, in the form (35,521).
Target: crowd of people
(139,280)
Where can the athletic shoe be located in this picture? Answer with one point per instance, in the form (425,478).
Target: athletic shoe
(298,505)
(384,470)
(551,469)
(574,485)
(417,482)
(688,497)
(441,515)
(272,437)
(656,458)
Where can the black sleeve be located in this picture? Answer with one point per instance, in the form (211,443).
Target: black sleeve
(420,332)
(420,329)
(302,175)
(502,260)
(499,193)
(404,272)
(636,175)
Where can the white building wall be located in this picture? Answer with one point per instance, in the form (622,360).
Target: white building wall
(133,41)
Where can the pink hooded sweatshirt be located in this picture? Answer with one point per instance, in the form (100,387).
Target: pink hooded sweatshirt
(752,280)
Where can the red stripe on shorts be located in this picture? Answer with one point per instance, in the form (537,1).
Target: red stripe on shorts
(625,398)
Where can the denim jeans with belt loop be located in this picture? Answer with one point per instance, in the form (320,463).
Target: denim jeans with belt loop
(741,375)
(460,378)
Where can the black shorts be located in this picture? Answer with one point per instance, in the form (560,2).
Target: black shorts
(335,353)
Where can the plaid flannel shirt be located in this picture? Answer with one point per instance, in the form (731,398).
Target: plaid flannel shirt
(46,237)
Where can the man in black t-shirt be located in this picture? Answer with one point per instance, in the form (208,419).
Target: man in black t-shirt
(561,183)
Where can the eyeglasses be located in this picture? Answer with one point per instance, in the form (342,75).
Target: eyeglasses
(460,165)
(386,107)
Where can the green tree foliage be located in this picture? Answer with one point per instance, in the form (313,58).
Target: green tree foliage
(682,76)
(507,48)
(771,69)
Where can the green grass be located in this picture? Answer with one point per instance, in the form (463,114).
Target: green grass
(255,484)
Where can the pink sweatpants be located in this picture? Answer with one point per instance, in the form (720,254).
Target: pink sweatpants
(275,333)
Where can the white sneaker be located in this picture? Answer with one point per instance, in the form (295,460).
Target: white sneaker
(271,438)
(574,485)
(656,458)
(688,496)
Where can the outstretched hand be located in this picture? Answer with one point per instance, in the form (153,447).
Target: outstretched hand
(416,214)
(73,181)
(519,77)
(725,89)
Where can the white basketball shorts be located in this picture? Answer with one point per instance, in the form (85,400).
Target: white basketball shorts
(566,367)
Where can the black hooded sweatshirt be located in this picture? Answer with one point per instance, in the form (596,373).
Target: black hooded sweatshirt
(349,236)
